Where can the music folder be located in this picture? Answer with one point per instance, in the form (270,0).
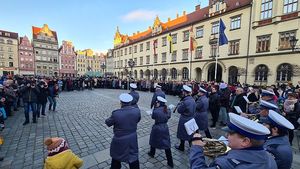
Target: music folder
(238,109)
(191,126)
(246,98)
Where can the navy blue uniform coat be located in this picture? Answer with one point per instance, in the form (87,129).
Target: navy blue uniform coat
(234,159)
(186,109)
(282,151)
(124,145)
(201,112)
(160,136)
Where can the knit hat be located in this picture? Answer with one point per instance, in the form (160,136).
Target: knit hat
(55,145)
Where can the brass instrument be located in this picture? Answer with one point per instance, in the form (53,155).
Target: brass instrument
(214,148)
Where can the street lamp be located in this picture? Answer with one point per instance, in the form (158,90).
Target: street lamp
(293,42)
(103,66)
(131,64)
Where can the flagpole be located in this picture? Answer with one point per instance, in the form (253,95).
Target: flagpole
(190,72)
(216,65)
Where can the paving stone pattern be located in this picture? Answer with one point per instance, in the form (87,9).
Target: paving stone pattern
(80,120)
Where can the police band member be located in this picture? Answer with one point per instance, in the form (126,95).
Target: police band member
(267,96)
(186,108)
(278,143)
(124,145)
(201,115)
(160,136)
(158,92)
(134,94)
(264,109)
(246,139)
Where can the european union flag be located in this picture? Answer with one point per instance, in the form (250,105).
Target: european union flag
(222,38)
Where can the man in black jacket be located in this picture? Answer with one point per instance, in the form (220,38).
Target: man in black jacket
(30,94)
(238,100)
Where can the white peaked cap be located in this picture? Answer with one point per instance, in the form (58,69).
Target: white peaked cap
(125,97)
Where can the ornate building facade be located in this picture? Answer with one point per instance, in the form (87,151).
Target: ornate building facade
(67,60)
(45,45)
(26,57)
(8,53)
(81,62)
(186,47)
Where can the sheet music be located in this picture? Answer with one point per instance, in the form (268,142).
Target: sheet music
(191,126)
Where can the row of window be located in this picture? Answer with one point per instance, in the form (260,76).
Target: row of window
(26,54)
(27,66)
(48,46)
(289,6)
(7,41)
(45,58)
(10,56)
(46,38)
(67,67)
(45,67)
(9,64)
(46,52)
(9,49)
(235,24)
(25,48)
(284,73)
(26,59)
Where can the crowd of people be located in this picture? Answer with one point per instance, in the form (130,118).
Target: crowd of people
(276,108)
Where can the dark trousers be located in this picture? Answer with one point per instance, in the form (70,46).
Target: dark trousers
(39,106)
(167,152)
(181,145)
(291,136)
(27,106)
(207,133)
(115,164)
(7,108)
(215,116)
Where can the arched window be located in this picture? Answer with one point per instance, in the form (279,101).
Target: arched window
(185,73)
(141,74)
(261,73)
(164,74)
(173,73)
(232,75)
(135,74)
(284,72)
(155,74)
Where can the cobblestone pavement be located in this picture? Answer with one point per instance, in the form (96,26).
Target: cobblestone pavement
(80,120)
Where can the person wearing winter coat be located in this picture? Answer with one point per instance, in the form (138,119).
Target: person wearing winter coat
(60,156)
(160,135)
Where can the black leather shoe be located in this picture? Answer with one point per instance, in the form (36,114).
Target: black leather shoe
(171,165)
(1,158)
(25,123)
(179,148)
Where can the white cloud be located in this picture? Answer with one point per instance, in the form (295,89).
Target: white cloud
(139,15)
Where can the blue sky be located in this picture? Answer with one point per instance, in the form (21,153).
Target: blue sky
(89,23)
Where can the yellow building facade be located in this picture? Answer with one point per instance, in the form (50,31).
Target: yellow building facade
(88,62)
(258,49)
